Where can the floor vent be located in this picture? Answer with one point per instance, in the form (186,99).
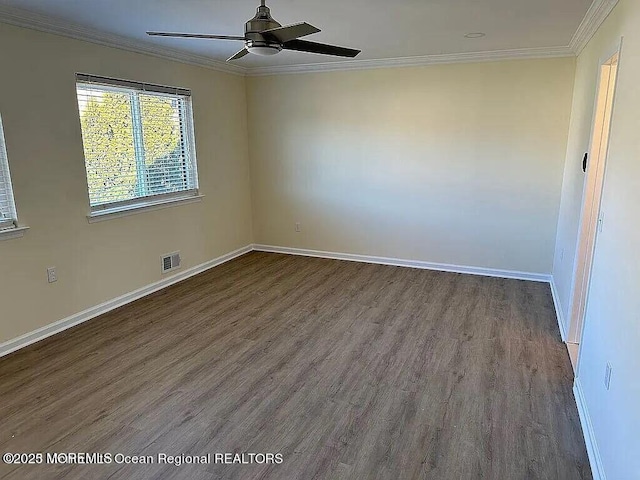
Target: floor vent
(170,262)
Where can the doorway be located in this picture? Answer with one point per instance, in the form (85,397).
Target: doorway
(592,217)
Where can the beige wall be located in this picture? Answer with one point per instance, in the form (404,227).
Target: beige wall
(458,164)
(612,323)
(97,262)
(455,164)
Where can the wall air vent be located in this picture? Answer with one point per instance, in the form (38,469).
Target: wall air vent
(170,262)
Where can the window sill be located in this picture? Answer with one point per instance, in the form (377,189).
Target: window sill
(13,233)
(109,214)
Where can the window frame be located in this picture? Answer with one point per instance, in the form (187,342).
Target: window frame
(98,212)
(8,228)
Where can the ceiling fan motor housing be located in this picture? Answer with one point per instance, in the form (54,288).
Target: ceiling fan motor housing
(261,22)
(265,36)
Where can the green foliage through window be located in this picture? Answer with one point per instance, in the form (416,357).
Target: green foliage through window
(136,144)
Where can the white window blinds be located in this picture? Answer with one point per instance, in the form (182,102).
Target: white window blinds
(138,142)
(8,217)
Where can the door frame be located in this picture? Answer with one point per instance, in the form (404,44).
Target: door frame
(583,261)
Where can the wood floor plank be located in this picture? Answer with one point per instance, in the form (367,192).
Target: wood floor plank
(350,370)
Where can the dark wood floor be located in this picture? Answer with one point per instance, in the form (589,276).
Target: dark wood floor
(349,370)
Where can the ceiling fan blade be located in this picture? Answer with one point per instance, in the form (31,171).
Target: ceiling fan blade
(194,35)
(238,55)
(290,32)
(322,48)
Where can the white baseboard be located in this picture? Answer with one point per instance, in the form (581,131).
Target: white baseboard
(597,469)
(441,267)
(592,448)
(59,326)
(64,324)
(558,306)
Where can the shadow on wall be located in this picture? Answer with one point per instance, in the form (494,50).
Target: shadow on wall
(350,180)
(457,164)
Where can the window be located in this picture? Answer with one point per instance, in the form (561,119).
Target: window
(8,216)
(138,143)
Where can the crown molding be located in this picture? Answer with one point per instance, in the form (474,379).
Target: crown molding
(595,16)
(473,57)
(42,23)
(597,13)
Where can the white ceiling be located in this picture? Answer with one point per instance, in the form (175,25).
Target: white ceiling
(382,29)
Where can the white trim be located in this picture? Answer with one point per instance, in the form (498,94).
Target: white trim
(441,267)
(56,327)
(558,306)
(10,233)
(31,20)
(597,468)
(64,324)
(133,209)
(595,16)
(419,61)
(597,13)
(76,319)
(53,328)
(573,334)
(42,23)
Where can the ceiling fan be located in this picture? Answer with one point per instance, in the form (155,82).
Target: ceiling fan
(264,36)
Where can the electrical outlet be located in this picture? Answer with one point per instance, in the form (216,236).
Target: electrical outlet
(607,376)
(298,227)
(52,275)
